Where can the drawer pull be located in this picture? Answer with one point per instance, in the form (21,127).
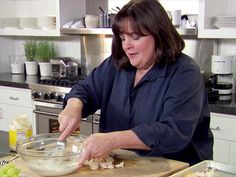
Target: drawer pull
(13,98)
(216,129)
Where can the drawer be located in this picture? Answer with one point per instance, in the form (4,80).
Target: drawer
(223,126)
(16,96)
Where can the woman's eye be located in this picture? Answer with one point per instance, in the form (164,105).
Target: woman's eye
(135,36)
(122,38)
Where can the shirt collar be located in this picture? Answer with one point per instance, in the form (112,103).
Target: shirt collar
(157,71)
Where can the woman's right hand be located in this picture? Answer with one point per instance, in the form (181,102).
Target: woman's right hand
(70,118)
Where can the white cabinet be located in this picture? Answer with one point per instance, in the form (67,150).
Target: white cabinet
(61,10)
(13,102)
(208,10)
(223,127)
(232,158)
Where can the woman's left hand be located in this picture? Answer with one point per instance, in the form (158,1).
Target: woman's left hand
(97,145)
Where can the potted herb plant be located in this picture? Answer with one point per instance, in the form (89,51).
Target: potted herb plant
(45,51)
(31,64)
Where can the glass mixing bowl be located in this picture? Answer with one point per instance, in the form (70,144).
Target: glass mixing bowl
(46,156)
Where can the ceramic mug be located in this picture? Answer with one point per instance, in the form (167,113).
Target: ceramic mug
(91,21)
(176,17)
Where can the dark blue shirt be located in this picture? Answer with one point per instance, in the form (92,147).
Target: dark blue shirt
(167,109)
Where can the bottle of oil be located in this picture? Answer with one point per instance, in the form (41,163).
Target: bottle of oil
(20,128)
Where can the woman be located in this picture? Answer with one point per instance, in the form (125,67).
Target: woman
(151,95)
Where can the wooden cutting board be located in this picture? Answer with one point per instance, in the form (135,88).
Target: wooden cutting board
(134,166)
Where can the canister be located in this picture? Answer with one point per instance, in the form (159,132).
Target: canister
(20,129)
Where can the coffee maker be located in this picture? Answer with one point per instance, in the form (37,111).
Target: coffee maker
(220,84)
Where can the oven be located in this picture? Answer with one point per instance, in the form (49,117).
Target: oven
(46,117)
(48,103)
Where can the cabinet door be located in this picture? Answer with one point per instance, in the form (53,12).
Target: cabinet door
(221,150)
(232,157)
(208,11)
(3,119)
(223,126)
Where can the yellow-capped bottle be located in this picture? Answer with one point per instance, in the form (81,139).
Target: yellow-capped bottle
(20,128)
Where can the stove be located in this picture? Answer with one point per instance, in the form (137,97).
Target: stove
(51,91)
(62,82)
(47,98)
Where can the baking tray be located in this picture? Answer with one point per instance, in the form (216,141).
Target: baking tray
(220,169)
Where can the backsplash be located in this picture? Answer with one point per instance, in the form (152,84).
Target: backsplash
(68,46)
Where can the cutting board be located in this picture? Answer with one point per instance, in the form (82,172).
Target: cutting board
(134,165)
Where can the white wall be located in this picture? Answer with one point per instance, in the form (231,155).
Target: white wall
(7,48)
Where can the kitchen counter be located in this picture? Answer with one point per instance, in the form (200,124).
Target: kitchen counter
(17,80)
(22,81)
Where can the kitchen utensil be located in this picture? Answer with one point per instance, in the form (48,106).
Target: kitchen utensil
(4,162)
(101,9)
(46,156)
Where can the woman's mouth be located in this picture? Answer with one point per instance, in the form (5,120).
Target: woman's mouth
(132,55)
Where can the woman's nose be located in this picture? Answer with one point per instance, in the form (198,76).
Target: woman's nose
(127,44)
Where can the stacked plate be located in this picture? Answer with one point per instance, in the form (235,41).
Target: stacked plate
(28,22)
(225,21)
(1,23)
(11,22)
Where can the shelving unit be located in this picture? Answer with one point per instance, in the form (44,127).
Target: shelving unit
(63,10)
(208,9)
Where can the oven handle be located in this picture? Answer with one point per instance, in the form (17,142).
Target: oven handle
(46,113)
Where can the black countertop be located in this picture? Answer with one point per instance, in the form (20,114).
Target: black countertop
(22,81)
(17,80)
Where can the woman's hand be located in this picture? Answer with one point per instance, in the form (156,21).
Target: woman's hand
(97,145)
(70,118)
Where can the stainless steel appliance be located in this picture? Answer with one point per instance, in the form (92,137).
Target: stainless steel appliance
(221,82)
(64,67)
(48,98)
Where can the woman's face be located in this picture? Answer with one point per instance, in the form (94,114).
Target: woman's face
(139,49)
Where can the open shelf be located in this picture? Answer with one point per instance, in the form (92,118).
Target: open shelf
(107,31)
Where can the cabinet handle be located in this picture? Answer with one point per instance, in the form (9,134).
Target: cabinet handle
(45,113)
(216,129)
(13,98)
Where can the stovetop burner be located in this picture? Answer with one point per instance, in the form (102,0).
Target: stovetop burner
(62,82)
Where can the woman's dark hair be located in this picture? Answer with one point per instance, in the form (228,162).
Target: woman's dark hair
(146,16)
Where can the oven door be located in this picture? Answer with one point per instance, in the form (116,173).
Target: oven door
(46,119)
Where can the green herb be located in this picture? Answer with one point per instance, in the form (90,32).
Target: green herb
(45,51)
(30,50)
